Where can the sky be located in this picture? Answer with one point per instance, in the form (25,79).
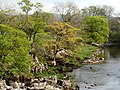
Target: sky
(49,4)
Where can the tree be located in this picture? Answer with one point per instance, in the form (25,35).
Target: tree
(39,22)
(31,24)
(114,24)
(63,36)
(6,5)
(26,6)
(96,29)
(7,12)
(14,52)
(106,11)
(69,12)
(27,24)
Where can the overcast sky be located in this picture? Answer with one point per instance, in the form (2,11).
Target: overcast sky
(48,4)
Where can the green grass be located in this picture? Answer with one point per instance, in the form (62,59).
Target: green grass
(51,72)
(85,51)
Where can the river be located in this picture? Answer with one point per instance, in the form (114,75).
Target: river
(104,76)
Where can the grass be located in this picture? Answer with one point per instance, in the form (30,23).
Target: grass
(85,51)
(51,72)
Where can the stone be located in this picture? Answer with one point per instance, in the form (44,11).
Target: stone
(57,89)
(42,85)
(66,84)
(49,87)
(21,85)
(77,87)
(60,82)
(62,53)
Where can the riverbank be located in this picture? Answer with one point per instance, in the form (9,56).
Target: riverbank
(104,76)
(78,59)
(55,77)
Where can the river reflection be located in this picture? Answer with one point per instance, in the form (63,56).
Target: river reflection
(114,51)
(104,76)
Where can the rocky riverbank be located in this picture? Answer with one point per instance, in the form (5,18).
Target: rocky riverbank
(51,83)
(95,58)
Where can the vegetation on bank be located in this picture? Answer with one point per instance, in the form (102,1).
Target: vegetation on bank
(31,42)
(70,63)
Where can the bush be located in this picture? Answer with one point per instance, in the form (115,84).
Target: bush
(14,51)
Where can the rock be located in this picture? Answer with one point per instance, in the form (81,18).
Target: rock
(35,85)
(58,86)
(101,58)
(21,85)
(77,87)
(60,82)
(42,85)
(66,84)
(50,83)
(51,63)
(57,89)
(62,53)
(49,87)
(52,80)
(93,85)
(88,87)
(6,86)
(91,68)
(16,85)
(34,81)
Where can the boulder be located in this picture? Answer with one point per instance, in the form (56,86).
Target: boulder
(49,87)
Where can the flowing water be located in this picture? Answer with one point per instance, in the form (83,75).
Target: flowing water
(104,76)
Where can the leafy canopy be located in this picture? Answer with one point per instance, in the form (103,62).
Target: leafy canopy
(64,35)
(96,29)
(14,51)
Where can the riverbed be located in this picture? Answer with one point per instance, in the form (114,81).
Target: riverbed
(104,76)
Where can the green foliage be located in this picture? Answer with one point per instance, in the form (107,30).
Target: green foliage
(39,46)
(64,36)
(39,26)
(51,72)
(96,29)
(26,6)
(115,30)
(31,24)
(114,37)
(14,51)
(26,24)
(38,7)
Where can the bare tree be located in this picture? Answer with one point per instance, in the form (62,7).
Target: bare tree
(6,5)
(100,10)
(7,11)
(69,12)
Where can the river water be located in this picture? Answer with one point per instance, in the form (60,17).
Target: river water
(104,76)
